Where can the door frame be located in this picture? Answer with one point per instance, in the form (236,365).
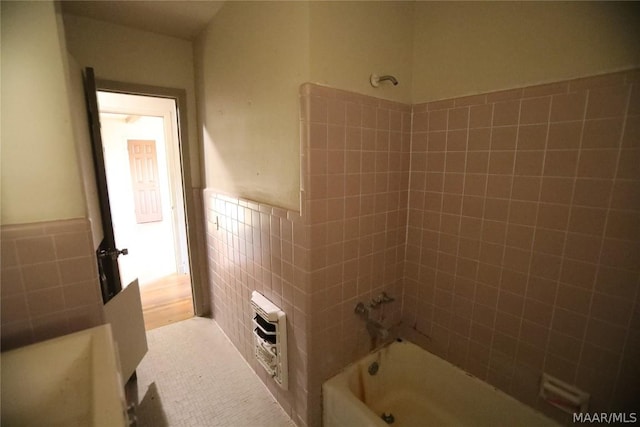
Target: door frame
(190,205)
(164,109)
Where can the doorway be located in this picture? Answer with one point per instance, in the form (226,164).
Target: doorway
(144,175)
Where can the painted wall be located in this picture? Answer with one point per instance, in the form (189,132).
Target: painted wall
(39,161)
(464,48)
(48,272)
(84,149)
(436,50)
(250,62)
(351,40)
(133,56)
(250,79)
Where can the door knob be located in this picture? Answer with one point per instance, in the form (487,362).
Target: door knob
(113,253)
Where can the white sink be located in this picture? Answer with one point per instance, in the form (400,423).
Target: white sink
(72,380)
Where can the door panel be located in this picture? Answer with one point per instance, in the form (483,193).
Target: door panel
(123,308)
(143,161)
(107,253)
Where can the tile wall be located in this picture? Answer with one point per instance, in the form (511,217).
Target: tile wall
(49,281)
(347,246)
(507,226)
(355,163)
(254,246)
(523,251)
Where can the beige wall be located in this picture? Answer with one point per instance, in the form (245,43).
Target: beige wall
(352,40)
(250,62)
(437,50)
(463,48)
(249,79)
(249,82)
(40,176)
(133,56)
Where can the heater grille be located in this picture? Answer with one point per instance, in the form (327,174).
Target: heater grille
(270,338)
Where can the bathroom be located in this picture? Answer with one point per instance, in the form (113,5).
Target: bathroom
(512,262)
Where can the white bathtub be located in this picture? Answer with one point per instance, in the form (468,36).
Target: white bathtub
(418,389)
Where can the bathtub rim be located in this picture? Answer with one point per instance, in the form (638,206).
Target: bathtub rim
(340,383)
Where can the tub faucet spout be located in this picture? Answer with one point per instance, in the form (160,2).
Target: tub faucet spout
(376,330)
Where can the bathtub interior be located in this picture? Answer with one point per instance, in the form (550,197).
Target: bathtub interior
(418,388)
(341,407)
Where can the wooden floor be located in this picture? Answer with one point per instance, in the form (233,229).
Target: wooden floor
(166,301)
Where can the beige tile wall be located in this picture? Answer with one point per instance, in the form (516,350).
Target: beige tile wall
(258,247)
(355,163)
(347,246)
(523,252)
(49,281)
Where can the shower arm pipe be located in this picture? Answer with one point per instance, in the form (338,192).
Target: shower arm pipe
(375,80)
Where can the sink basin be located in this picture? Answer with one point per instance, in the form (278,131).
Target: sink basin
(72,380)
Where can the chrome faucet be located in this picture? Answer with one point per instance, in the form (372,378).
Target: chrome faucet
(383,298)
(363,310)
(374,328)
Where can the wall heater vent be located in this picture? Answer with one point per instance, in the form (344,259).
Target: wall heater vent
(270,338)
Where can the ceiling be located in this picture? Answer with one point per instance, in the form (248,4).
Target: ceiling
(184,19)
